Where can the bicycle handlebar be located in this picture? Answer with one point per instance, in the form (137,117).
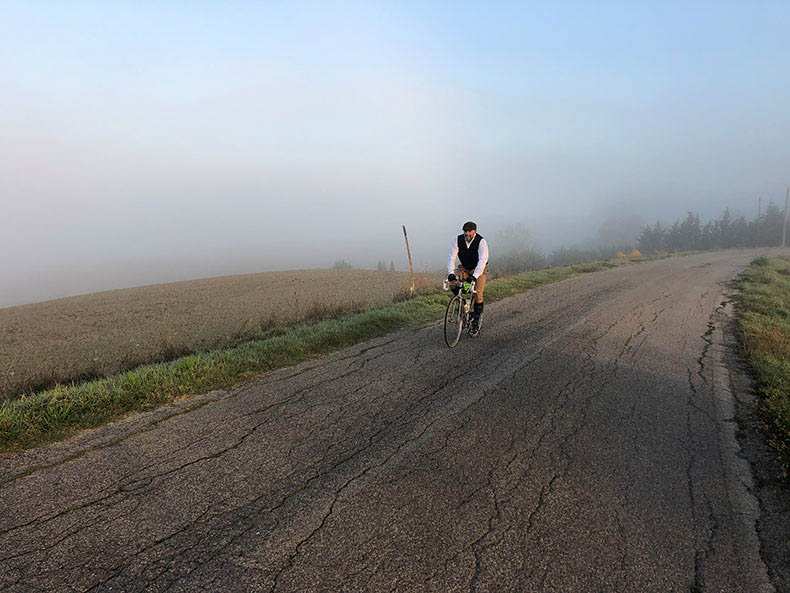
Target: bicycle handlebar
(462,284)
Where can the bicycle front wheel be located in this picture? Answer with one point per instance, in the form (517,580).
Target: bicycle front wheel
(453,321)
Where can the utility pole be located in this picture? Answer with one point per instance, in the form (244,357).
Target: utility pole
(784,226)
(759,207)
(408,252)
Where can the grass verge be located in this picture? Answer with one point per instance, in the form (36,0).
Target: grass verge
(764,324)
(55,413)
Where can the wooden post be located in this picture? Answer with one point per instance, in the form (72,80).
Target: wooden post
(784,226)
(408,252)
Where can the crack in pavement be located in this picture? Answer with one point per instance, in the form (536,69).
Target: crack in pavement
(286,472)
(268,379)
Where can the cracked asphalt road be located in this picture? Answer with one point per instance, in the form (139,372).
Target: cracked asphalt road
(585,442)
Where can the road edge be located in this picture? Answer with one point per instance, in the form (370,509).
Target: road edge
(754,491)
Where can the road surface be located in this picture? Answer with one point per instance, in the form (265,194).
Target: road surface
(584,442)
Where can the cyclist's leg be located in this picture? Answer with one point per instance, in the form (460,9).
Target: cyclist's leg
(479,288)
(460,273)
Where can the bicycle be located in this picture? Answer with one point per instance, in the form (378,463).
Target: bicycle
(459,312)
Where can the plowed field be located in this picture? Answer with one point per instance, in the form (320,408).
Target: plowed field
(101,333)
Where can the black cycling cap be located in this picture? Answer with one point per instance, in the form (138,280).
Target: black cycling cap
(470,226)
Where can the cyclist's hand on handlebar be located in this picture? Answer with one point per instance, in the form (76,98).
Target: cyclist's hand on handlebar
(451,277)
(471,279)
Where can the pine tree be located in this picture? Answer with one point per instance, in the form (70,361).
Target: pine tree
(651,239)
(674,237)
(725,229)
(770,228)
(740,232)
(706,241)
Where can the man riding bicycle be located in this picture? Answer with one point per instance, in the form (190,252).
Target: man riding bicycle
(472,251)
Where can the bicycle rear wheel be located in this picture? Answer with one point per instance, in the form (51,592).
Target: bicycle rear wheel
(453,321)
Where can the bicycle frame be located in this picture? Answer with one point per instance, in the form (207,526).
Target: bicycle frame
(458,319)
(467,298)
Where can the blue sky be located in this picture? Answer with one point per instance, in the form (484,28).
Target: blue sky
(246,134)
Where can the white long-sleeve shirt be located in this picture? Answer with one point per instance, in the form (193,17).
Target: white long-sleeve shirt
(482,254)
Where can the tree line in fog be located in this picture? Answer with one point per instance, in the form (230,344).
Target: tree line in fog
(690,234)
(516,253)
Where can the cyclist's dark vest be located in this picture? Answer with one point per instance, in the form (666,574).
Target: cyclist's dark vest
(469,255)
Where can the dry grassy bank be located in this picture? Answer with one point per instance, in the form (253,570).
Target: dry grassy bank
(102,333)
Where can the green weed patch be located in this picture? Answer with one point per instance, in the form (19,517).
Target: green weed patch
(764,323)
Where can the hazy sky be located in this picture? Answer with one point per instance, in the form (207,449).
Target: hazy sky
(148,141)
